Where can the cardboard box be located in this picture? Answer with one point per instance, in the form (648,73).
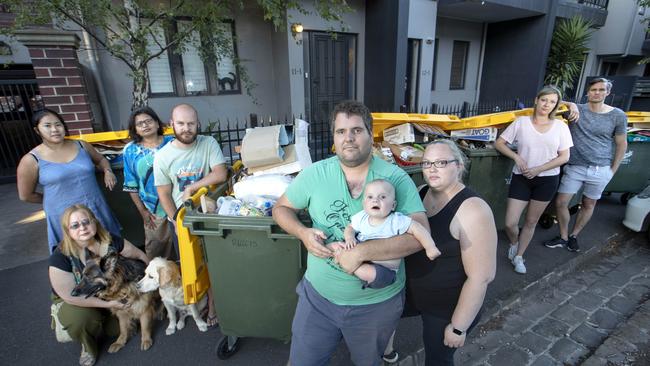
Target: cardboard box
(296,156)
(263,146)
(406,153)
(412,132)
(477,134)
(639,126)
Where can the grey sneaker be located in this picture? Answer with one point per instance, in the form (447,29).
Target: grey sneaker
(391,357)
(572,244)
(512,251)
(556,242)
(518,262)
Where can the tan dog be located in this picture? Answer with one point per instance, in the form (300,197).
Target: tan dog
(165,275)
(114,277)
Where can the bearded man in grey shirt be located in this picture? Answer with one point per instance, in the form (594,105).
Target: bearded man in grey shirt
(593,160)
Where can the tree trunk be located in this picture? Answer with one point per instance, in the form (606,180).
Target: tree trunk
(140,88)
(140,74)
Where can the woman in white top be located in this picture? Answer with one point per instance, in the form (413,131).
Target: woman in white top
(543,144)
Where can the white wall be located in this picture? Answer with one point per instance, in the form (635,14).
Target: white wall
(623,32)
(448,31)
(422,25)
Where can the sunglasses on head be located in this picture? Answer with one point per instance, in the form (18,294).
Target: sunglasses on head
(77,225)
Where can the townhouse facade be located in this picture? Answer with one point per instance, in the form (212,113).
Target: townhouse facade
(391,54)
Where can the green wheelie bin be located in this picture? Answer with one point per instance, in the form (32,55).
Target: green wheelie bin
(254,267)
(122,206)
(488,174)
(632,175)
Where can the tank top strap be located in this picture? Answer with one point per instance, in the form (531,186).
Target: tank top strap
(454,204)
(422,191)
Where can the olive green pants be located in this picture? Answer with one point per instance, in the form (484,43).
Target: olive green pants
(85,325)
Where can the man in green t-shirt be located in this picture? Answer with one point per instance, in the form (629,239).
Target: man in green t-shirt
(332,303)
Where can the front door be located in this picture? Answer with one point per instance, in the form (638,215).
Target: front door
(331,73)
(412,76)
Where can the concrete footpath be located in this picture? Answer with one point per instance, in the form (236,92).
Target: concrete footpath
(27,340)
(566,322)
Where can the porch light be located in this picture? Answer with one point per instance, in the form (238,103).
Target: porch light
(296,28)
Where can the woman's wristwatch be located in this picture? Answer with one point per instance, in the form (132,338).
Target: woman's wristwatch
(456,331)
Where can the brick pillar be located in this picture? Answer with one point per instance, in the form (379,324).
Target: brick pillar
(59,76)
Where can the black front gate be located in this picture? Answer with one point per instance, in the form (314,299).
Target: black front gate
(18,100)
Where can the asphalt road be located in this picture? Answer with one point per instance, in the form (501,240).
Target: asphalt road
(26,338)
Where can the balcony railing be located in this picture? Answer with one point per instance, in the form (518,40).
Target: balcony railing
(600,4)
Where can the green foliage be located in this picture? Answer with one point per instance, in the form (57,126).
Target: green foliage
(569,43)
(125,28)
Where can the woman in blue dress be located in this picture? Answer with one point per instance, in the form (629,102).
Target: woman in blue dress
(146,131)
(66,171)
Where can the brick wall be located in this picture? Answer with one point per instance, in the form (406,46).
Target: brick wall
(62,86)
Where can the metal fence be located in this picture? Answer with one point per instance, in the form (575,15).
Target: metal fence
(18,100)
(465,109)
(230,133)
(600,4)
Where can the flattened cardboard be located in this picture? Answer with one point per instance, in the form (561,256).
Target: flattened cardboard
(262,146)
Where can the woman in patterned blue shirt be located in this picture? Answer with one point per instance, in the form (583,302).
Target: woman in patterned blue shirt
(146,131)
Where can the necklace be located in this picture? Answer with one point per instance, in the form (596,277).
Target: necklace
(154,144)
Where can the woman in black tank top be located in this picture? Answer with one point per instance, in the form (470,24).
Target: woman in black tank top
(448,292)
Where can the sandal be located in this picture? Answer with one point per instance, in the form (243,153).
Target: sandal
(212,321)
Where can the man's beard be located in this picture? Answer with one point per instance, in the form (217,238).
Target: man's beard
(184,138)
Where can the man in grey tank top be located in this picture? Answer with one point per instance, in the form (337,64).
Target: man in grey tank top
(600,141)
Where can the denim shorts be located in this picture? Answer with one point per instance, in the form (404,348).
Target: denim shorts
(593,179)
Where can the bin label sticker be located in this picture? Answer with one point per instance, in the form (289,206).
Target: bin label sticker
(244,243)
(627,158)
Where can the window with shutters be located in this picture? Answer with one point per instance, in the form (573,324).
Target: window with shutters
(458,65)
(184,73)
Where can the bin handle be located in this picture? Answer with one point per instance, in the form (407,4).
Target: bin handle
(265,228)
(199,230)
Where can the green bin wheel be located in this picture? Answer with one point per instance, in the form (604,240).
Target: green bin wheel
(574,209)
(626,197)
(546,221)
(225,350)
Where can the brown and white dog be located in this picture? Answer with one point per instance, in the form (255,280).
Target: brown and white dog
(165,275)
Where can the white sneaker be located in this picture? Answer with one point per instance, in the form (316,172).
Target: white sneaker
(512,251)
(518,262)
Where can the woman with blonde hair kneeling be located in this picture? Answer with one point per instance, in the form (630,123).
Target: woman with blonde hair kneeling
(83,318)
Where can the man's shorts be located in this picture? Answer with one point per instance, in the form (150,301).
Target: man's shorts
(539,188)
(593,179)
